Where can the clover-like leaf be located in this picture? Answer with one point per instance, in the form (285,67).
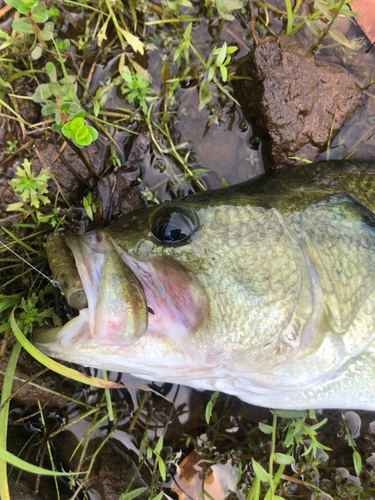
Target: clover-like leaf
(22,26)
(93,133)
(42,93)
(47,32)
(57,126)
(81,134)
(23,6)
(55,88)
(37,52)
(39,14)
(80,113)
(71,128)
(67,88)
(225,6)
(49,108)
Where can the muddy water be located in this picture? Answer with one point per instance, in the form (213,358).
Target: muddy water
(221,141)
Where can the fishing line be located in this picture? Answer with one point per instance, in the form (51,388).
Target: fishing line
(54,283)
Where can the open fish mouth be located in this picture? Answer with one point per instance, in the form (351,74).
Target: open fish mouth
(128,298)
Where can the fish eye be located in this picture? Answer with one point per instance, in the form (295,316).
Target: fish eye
(173,226)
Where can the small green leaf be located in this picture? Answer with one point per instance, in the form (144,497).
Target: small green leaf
(199,171)
(283,459)
(205,96)
(22,6)
(159,445)
(49,108)
(50,67)
(65,107)
(313,27)
(67,88)
(36,53)
(80,114)
(161,466)
(42,93)
(22,26)
(55,88)
(62,44)
(93,133)
(52,12)
(260,472)
(159,496)
(340,38)
(39,14)
(225,6)
(47,32)
(76,124)
(188,31)
(267,429)
(82,136)
(210,406)
(13,207)
(57,126)
(67,131)
(88,209)
(132,494)
(357,459)
(318,5)
(224,73)
(222,54)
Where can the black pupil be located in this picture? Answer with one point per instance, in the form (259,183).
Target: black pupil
(173,228)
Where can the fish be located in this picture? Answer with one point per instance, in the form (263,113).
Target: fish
(264,290)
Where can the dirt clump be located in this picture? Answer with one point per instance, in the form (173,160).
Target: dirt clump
(293,101)
(40,389)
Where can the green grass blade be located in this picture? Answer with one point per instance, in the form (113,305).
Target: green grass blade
(21,464)
(289,11)
(7,388)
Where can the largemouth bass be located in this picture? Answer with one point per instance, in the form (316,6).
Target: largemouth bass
(264,290)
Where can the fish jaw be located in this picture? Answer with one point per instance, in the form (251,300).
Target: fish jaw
(117,304)
(135,307)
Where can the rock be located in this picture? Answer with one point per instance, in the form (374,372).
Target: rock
(292,100)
